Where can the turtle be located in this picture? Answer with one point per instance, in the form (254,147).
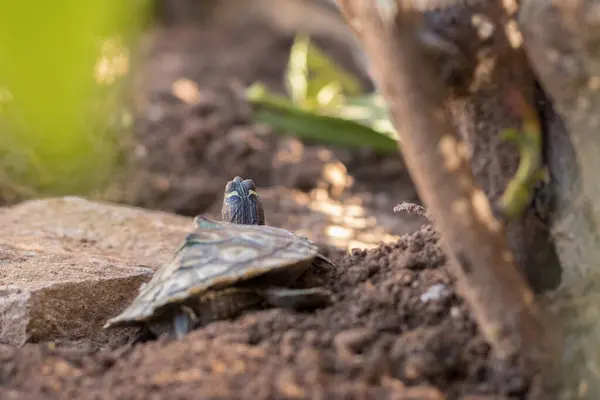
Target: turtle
(224,268)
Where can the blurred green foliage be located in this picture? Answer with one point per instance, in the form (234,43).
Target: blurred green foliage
(324,104)
(520,190)
(314,81)
(63,68)
(277,112)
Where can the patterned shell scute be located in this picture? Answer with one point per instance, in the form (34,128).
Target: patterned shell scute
(215,255)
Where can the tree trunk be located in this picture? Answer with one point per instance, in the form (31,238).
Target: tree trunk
(562,43)
(408,77)
(561,38)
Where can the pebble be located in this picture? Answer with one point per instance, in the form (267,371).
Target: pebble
(436,292)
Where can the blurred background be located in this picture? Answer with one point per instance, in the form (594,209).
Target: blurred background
(158,103)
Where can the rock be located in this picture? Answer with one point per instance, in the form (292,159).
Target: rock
(77,225)
(68,264)
(436,292)
(50,296)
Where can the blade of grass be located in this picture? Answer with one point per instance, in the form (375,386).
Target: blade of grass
(325,129)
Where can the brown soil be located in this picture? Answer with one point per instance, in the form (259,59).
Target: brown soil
(380,339)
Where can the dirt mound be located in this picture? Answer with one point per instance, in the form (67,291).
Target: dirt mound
(397,326)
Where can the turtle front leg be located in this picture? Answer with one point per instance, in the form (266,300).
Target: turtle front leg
(298,299)
(184,321)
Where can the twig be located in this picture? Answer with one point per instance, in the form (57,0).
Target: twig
(414,209)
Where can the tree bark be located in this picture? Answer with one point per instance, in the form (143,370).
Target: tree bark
(562,43)
(561,39)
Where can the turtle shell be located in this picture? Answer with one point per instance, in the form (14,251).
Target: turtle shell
(218,255)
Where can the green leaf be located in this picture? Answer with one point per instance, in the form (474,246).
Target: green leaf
(369,110)
(322,128)
(325,105)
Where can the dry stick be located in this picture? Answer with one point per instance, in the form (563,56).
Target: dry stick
(413,209)
(474,239)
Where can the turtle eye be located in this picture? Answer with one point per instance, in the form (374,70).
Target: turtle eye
(232,197)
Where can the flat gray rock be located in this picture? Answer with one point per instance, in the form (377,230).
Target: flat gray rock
(68,264)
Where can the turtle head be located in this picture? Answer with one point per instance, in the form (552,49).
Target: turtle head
(241,203)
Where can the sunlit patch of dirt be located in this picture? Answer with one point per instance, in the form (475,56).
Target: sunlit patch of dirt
(350,225)
(343,224)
